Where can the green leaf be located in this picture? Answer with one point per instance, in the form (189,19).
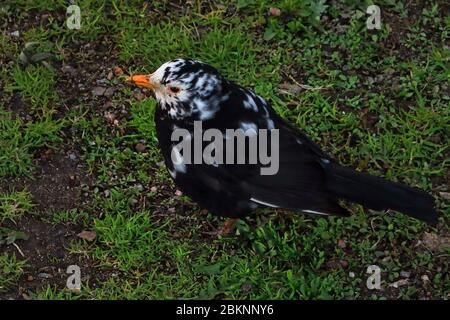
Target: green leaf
(211,269)
(269,34)
(41,56)
(30,45)
(8,236)
(319,7)
(242,4)
(259,247)
(23,58)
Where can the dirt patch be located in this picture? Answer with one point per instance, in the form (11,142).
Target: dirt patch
(19,108)
(56,187)
(48,258)
(56,184)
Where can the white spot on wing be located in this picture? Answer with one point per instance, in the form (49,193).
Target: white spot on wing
(178,161)
(172,173)
(316,212)
(263,203)
(249,126)
(270,124)
(249,103)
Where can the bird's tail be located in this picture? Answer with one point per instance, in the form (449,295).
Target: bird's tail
(379,194)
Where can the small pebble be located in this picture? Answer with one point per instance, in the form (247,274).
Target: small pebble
(109,92)
(405,274)
(44,275)
(98,91)
(140,147)
(69,69)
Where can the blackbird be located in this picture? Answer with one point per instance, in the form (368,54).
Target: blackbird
(306,179)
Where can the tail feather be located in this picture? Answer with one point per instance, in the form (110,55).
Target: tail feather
(379,194)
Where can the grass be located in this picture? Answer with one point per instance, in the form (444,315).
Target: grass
(34,84)
(10,270)
(19,138)
(14,205)
(378,101)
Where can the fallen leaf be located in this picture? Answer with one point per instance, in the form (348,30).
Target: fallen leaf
(435,242)
(118,71)
(49,153)
(291,88)
(445,195)
(342,243)
(247,287)
(26,296)
(87,235)
(110,117)
(138,96)
(399,283)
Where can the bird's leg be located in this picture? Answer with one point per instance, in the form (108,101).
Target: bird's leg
(228,227)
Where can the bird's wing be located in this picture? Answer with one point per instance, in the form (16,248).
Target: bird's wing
(298,184)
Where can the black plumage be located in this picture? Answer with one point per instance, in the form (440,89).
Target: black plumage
(308,180)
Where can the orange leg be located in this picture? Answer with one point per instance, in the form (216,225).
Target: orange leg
(227,227)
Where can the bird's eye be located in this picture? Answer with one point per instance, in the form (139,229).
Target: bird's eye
(174,89)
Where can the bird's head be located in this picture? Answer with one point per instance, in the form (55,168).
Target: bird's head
(185,88)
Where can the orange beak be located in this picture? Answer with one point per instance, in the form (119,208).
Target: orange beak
(142,81)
